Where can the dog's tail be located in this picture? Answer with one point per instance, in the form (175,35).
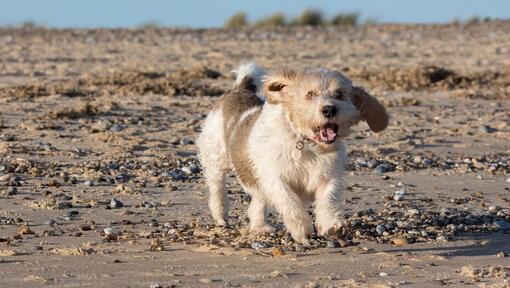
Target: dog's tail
(250,75)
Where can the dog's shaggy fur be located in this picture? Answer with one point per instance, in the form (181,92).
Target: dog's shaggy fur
(282,133)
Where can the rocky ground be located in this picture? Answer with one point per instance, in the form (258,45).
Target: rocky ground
(100,185)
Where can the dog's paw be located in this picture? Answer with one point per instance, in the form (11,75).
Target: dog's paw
(301,231)
(261,229)
(338,230)
(221,222)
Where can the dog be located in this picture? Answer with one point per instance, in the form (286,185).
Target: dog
(282,133)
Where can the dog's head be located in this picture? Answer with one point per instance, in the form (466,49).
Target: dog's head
(322,105)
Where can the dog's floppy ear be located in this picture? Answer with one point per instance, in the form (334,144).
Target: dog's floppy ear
(371,110)
(276,86)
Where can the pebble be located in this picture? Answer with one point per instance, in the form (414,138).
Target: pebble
(101,125)
(379,170)
(50,222)
(109,231)
(277,252)
(312,284)
(493,209)
(115,203)
(383,274)
(149,204)
(400,241)
(332,244)
(508,180)
(276,273)
(486,129)
(194,168)
(398,197)
(88,183)
(155,285)
(116,128)
(11,190)
(65,205)
(177,175)
(257,245)
(187,141)
(380,229)
(186,170)
(502,225)
(85,227)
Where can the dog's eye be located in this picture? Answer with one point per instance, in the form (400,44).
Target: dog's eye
(310,95)
(339,94)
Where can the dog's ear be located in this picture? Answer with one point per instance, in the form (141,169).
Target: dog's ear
(371,110)
(276,86)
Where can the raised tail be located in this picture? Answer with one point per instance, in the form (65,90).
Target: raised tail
(250,76)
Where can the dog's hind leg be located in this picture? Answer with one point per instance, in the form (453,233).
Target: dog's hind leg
(213,156)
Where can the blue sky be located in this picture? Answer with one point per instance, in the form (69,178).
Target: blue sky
(204,13)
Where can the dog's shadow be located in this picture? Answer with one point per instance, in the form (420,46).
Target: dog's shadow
(483,245)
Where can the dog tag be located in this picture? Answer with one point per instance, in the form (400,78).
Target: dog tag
(296,154)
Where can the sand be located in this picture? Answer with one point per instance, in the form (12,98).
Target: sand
(91,115)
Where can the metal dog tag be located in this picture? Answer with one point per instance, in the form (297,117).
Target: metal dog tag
(296,154)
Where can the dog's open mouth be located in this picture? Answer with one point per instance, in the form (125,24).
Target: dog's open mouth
(325,134)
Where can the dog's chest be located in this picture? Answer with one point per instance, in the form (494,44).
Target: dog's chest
(306,173)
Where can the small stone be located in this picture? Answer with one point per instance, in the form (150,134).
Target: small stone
(257,245)
(37,248)
(187,141)
(400,241)
(5,177)
(85,227)
(186,170)
(379,170)
(383,274)
(380,229)
(312,284)
(332,244)
(501,254)
(88,183)
(508,180)
(493,209)
(276,273)
(502,225)
(116,128)
(205,280)
(194,168)
(277,252)
(486,129)
(299,248)
(177,175)
(11,190)
(413,212)
(101,125)
(50,222)
(155,285)
(109,231)
(115,203)
(398,197)
(65,205)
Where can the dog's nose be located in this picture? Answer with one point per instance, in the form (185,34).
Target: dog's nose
(329,111)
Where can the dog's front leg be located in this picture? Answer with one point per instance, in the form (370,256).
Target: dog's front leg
(327,209)
(297,221)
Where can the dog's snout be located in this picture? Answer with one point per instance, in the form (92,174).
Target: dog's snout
(329,111)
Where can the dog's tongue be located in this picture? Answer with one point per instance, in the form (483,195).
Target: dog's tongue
(327,135)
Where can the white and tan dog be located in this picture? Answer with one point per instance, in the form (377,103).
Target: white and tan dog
(282,133)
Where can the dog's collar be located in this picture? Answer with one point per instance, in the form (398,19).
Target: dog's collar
(300,145)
